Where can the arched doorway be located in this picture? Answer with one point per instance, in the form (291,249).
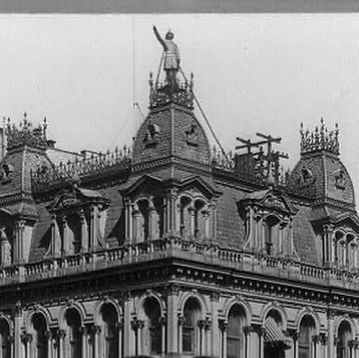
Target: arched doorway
(109,346)
(275,342)
(235,334)
(39,339)
(305,339)
(190,331)
(343,338)
(153,326)
(73,335)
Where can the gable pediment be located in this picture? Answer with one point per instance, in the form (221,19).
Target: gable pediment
(75,198)
(140,183)
(347,221)
(197,183)
(270,200)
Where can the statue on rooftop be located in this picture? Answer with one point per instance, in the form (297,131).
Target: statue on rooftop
(171,59)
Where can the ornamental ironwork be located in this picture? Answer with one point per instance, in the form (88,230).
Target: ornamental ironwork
(26,134)
(81,167)
(320,139)
(162,94)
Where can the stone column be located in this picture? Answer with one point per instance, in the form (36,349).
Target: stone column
(18,323)
(26,339)
(128,333)
(84,332)
(19,241)
(137,326)
(180,321)
(191,213)
(206,342)
(294,334)
(151,220)
(61,334)
(96,340)
(316,340)
(356,348)
(84,232)
(324,342)
(331,334)
(215,332)
(328,252)
(282,226)
(200,325)
(171,204)
(223,326)
(213,219)
(55,238)
(65,236)
(5,249)
(163,321)
(11,341)
(48,336)
(248,344)
(351,348)
(128,221)
(205,216)
(260,330)
(172,321)
(119,326)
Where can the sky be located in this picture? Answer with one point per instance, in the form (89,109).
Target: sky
(253,73)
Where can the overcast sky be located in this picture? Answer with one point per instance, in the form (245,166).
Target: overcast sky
(253,73)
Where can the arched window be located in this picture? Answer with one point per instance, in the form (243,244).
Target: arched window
(190,333)
(305,339)
(270,224)
(152,311)
(344,336)
(74,235)
(235,336)
(73,335)
(109,332)
(39,341)
(4,339)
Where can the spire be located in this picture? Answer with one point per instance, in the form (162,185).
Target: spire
(319,140)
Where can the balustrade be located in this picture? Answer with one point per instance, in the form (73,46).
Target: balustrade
(175,246)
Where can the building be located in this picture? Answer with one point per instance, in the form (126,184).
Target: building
(174,249)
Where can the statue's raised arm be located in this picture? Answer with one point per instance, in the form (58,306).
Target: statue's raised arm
(159,38)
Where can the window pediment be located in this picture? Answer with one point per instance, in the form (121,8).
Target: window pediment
(270,201)
(76,198)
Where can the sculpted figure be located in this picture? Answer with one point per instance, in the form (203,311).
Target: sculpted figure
(172,57)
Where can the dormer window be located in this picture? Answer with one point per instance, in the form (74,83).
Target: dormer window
(76,218)
(268,219)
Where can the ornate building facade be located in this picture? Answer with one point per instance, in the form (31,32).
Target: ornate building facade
(171,248)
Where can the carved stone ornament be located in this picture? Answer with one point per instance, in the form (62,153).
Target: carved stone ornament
(306,178)
(191,135)
(152,136)
(6,173)
(340,180)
